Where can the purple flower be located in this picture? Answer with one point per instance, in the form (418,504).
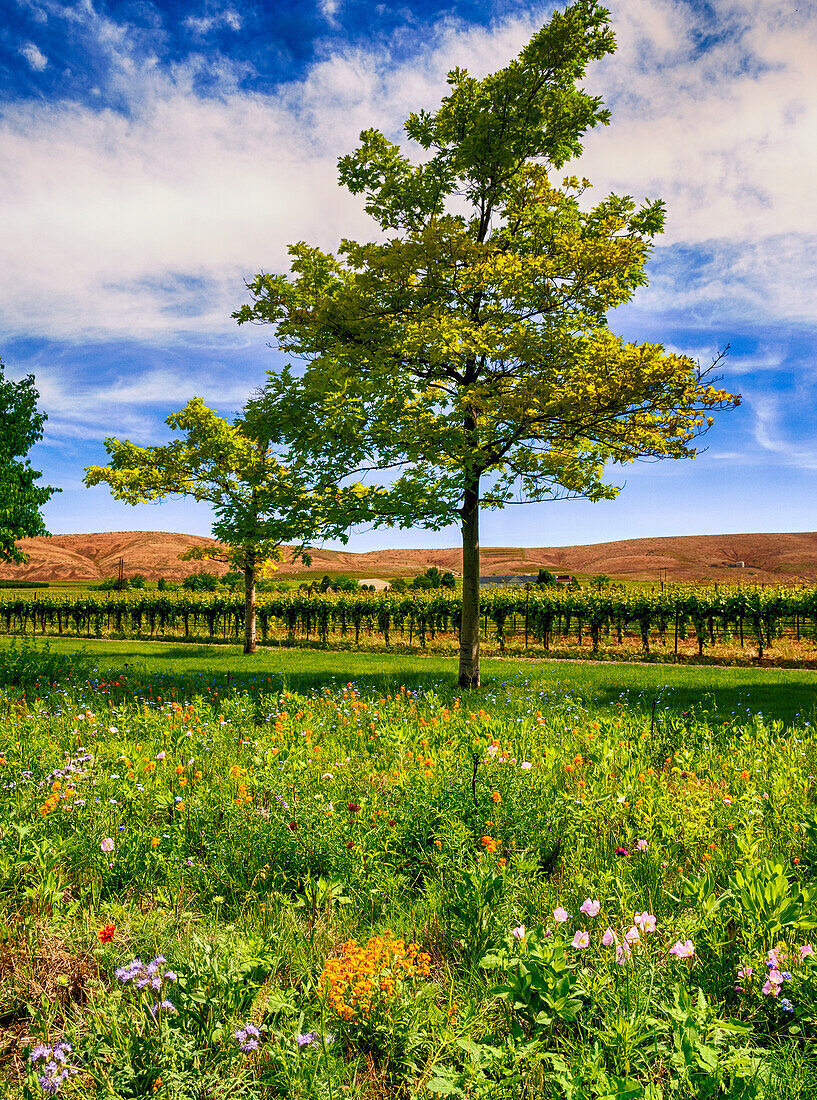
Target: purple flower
(55,1069)
(248,1037)
(307,1039)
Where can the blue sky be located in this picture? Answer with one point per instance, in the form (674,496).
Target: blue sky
(154,155)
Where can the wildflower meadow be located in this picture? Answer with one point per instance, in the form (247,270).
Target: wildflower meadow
(216,886)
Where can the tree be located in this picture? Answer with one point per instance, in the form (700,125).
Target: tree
(467,354)
(259,503)
(21,426)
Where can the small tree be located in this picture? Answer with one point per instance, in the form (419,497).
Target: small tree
(260,505)
(468,349)
(21,426)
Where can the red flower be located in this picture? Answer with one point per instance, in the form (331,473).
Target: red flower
(105,935)
(622,852)
(354,807)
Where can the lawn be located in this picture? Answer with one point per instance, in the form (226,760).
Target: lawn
(329,874)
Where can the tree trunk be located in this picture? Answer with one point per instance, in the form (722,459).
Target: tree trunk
(469,630)
(249,603)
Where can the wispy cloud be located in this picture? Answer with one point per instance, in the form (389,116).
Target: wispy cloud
(773,437)
(203,24)
(34,56)
(329,9)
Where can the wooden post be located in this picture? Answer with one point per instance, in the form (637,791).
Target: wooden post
(676,630)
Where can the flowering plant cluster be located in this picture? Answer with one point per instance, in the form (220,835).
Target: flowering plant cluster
(786,969)
(52,1065)
(366,979)
(152,978)
(249,1037)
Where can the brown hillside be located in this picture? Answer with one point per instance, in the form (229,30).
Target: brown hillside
(768,558)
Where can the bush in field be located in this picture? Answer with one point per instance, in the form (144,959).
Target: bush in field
(202,582)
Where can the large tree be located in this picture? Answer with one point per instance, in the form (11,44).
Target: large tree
(260,505)
(467,351)
(21,426)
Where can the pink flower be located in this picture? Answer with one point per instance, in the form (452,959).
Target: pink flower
(771,990)
(580,939)
(632,936)
(683,950)
(745,972)
(107,844)
(609,938)
(645,921)
(622,852)
(806,950)
(591,907)
(560,915)
(623,953)
(518,933)
(775,977)
(642,845)
(161,755)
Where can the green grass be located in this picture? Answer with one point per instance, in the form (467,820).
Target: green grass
(247,818)
(779,694)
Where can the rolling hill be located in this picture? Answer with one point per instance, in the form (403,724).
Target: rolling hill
(767,558)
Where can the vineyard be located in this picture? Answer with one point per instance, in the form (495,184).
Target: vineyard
(680,620)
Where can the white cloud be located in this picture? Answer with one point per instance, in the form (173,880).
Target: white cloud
(83,407)
(34,56)
(329,9)
(726,137)
(203,24)
(146,223)
(770,435)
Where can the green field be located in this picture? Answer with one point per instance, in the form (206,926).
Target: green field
(311,874)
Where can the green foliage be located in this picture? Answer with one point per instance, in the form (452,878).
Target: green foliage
(469,345)
(202,582)
(21,426)
(545,613)
(546,577)
(433,578)
(541,987)
(259,503)
(25,662)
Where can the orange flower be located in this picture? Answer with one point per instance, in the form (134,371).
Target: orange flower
(496,796)
(105,935)
(489,844)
